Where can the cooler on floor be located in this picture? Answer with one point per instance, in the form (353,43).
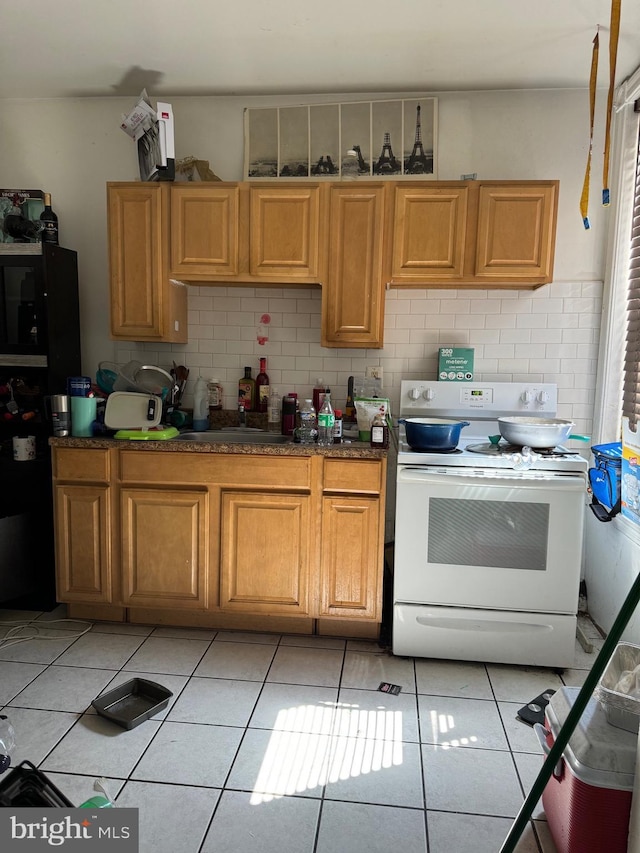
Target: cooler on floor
(587,800)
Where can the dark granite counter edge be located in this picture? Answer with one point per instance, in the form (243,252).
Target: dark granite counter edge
(355,450)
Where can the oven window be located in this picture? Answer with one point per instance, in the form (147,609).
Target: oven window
(496,534)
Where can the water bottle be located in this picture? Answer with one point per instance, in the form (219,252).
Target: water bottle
(307,431)
(7,742)
(326,421)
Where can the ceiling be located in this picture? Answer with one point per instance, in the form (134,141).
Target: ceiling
(75,48)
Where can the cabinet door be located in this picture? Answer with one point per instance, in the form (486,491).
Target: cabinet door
(285,239)
(83,544)
(353,296)
(165,547)
(265,553)
(516,231)
(204,231)
(145,305)
(351,558)
(429,232)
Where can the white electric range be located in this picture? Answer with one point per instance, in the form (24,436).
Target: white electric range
(488,542)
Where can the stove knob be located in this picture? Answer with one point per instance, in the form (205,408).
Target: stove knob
(428,394)
(414,394)
(526,397)
(542,398)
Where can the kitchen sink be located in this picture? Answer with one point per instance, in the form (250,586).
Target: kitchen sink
(235,435)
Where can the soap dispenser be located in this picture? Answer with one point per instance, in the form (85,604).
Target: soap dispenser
(200,405)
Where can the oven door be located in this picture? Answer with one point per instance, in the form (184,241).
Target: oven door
(497,539)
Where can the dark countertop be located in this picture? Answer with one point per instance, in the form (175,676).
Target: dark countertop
(354,450)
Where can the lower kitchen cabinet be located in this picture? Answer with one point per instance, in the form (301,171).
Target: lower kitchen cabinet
(165,548)
(83,543)
(265,553)
(84,527)
(251,541)
(351,558)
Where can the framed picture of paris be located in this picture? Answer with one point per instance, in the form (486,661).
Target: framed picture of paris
(349,141)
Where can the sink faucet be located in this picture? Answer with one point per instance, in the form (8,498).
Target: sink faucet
(242,415)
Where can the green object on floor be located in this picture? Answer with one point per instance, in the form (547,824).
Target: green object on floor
(96,803)
(573,718)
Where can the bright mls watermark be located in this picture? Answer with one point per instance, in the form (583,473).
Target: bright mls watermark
(33,830)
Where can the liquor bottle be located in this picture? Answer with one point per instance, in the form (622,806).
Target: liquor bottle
(262,388)
(350,409)
(50,222)
(326,420)
(337,427)
(247,391)
(379,431)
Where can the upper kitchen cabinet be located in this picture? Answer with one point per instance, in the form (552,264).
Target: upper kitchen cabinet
(247,233)
(204,230)
(516,233)
(430,227)
(145,304)
(485,233)
(353,294)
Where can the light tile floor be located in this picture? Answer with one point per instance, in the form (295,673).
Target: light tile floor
(284,744)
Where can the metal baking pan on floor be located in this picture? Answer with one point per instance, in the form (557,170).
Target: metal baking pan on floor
(132,702)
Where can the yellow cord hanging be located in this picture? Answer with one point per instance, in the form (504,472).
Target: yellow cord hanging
(584,198)
(613,53)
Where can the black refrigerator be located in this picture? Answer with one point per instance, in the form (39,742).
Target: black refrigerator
(39,349)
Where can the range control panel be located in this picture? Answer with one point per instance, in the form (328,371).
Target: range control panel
(484,399)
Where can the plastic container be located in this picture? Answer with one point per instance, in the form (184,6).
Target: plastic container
(132,702)
(274,411)
(587,800)
(621,709)
(200,405)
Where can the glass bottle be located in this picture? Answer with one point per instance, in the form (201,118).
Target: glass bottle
(318,393)
(307,431)
(262,388)
(337,427)
(326,420)
(379,431)
(49,221)
(247,391)
(214,391)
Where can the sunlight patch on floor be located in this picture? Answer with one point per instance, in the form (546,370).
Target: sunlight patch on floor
(354,742)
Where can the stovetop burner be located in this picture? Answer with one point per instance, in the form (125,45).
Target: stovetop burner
(490,449)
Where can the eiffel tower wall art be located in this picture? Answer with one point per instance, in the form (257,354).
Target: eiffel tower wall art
(348,141)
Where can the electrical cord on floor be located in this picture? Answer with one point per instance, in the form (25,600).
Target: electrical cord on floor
(35,627)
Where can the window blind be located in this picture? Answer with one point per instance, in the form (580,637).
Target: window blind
(631,385)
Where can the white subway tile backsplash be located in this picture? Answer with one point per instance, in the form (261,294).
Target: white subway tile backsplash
(531,321)
(547,306)
(514,336)
(470,321)
(500,321)
(550,334)
(563,321)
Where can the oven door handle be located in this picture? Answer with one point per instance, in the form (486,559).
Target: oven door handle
(491,477)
